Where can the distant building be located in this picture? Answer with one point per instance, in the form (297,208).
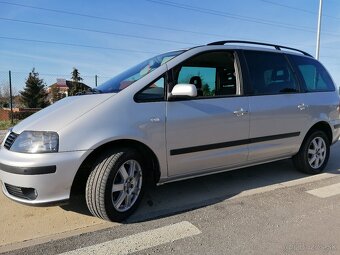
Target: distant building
(62,88)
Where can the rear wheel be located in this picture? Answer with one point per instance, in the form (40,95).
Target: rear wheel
(314,153)
(115,185)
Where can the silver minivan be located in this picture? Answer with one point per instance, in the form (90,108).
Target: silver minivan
(182,114)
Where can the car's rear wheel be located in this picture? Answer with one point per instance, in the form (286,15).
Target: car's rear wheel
(115,185)
(314,153)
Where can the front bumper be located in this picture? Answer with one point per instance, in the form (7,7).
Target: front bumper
(39,179)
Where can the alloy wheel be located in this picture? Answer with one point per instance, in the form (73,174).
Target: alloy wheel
(126,185)
(317,152)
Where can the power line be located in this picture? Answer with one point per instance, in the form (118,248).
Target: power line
(218,13)
(233,16)
(92,46)
(135,23)
(178,5)
(96,31)
(223,14)
(85,29)
(112,20)
(74,45)
(331,57)
(100,31)
(289,7)
(58,74)
(244,18)
(298,9)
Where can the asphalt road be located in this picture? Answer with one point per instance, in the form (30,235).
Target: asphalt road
(267,209)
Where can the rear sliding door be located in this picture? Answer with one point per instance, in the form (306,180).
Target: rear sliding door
(278,113)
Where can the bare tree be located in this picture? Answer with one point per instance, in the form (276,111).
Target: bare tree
(5,94)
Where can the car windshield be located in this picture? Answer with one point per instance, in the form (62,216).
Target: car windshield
(135,73)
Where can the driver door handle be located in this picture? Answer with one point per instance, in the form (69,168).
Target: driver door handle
(302,106)
(240,112)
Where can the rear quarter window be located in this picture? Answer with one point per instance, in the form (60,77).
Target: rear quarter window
(314,76)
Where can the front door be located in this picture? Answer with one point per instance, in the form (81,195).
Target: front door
(209,132)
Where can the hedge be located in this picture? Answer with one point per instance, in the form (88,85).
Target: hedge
(21,115)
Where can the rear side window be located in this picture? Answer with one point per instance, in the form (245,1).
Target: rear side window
(270,73)
(314,75)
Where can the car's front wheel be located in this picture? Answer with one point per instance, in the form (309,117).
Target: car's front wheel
(115,185)
(314,153)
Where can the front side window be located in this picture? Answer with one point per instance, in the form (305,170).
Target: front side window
(213,74)
(270,73)
(314,75)
(135,73)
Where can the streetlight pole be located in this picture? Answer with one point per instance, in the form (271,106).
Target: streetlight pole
(319,31)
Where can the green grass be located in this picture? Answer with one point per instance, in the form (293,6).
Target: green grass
(6,124)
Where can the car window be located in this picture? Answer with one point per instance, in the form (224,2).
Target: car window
(153,92)
(213,74)
(314,75)
(270,73)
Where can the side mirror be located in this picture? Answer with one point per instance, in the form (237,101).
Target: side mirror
(183,91)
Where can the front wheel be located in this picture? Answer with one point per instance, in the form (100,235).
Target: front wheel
(115,185)
(314,153)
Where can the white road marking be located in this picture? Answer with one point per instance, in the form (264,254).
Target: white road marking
(140,241)
(286,184)
(326,191)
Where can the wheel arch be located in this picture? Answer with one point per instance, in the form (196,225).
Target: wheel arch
(83,172)
(300,159)
(322,126)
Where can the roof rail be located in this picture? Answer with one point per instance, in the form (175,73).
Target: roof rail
(277,47)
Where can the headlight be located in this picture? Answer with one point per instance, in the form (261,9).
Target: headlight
(36,142)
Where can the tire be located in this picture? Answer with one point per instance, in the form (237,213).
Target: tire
(116,184)
(313,155)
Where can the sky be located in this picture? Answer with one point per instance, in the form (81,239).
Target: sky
(105,37)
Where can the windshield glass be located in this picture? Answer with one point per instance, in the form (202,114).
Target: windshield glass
(133,74)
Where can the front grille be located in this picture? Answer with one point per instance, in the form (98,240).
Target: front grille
(19,192)
(10,140)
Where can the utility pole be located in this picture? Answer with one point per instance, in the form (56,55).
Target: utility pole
(318,32)
(10,94)
(96,80)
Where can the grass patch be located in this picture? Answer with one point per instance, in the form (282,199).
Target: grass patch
(6,124)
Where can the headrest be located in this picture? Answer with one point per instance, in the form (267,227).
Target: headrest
(196,80)
(280,75)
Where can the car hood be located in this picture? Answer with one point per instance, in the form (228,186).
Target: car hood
(61,113)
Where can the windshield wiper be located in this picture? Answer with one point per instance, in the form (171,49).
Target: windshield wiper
(89,92)
(94,91)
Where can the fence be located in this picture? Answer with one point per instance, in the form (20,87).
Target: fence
(12,82)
